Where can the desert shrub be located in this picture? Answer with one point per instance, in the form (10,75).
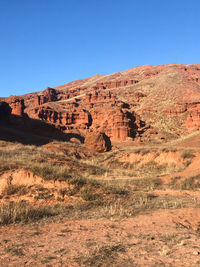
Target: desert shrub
(190,183)
(15,212)
(105,255)
(88,194)
(187,154)
(96,170)
(173,182)
(145,151)
(146,183)
(154,166)
(14,189)
(187,163)
(84,186)
(169,149)
(44,195)
(77,182)
(115,190)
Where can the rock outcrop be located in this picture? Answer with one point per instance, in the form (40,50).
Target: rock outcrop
(77,118)
(193,121)
(97,141)
(125,106)
(98,111)
(48,95)
(176,111)
(17,105)
(113,121)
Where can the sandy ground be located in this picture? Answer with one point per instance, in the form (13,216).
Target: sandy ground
(160,238)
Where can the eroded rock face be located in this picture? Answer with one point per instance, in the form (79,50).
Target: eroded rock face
(78,117)
(123,105)
(97,141)
(176,111)
(193,120)
(48,95)
(17,105)
(113,121)
(98,111)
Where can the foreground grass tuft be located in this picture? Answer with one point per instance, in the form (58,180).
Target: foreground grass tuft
(12,189)
(15,212)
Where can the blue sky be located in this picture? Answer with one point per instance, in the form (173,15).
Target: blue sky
(52,42)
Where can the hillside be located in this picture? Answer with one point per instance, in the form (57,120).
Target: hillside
(103,171)
(144,104)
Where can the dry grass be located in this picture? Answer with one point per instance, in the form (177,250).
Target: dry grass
(187,154)
(47,164)
(117,198)
(15,212)
(99,203)
(190,183)
(105,255)
(14,190)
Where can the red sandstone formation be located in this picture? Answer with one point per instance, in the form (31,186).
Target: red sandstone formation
(176,111)
(97,141)
(17,105)
(79,118)
(113,121)
(48,95)
(123,105)
(193,120)
(102,112)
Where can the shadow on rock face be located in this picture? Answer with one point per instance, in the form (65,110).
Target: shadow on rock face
(108,142)
(70,136)
(5,111)
(29,131)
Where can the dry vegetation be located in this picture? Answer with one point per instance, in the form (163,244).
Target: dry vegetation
(77,186)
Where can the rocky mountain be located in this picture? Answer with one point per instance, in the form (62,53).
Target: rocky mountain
(143,104)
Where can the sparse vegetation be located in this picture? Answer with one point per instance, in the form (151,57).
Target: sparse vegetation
(88,194)
(13,189)
(51,172)
(187,163)
(15,212)
(190,183)
(107,187)
(187,154)
(104,255)
(15,250)
(146,184)
(126,207)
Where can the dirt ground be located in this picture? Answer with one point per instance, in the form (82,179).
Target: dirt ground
(165,231)
(160,238)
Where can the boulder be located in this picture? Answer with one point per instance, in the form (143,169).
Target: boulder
(98,141)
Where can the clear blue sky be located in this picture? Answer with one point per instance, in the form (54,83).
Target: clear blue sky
(52,42)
